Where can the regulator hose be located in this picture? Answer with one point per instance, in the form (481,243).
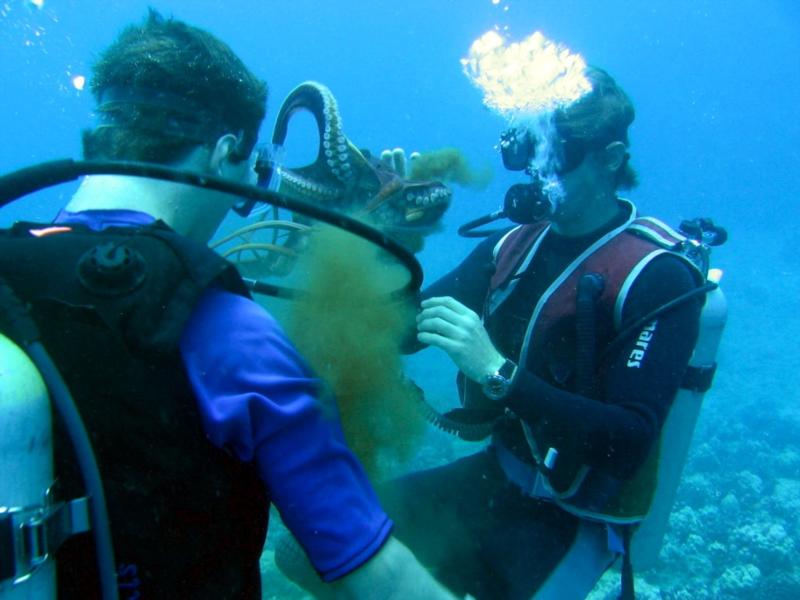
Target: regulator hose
(590,286)
(32,179)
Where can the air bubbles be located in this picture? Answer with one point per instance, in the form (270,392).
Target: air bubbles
(527,77)
(79,82)
(37,3)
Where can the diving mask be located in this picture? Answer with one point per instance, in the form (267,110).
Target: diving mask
(267,168)
(518,151)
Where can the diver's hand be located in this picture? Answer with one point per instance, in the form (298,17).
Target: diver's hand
(393,573)
(397,161)
(447,324)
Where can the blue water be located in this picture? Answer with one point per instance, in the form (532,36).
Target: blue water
(715,84)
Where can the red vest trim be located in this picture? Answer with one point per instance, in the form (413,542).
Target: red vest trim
(619,256)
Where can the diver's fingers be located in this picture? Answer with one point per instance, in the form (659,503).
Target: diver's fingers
(399,161)
(396,161)
(450,303)
(441,327)
(444,313)
(438,341)
(412,158)
(386,158)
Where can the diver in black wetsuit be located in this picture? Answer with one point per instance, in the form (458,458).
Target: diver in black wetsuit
(572,451)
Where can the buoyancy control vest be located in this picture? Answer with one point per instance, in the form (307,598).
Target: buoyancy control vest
(187,518)
(619,256)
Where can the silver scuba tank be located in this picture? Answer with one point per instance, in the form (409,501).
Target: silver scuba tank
(27,571)
(676,435)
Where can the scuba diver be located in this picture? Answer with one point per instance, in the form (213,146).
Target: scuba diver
(573,335)
(200,411)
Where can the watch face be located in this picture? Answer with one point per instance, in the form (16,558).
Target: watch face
(495,386)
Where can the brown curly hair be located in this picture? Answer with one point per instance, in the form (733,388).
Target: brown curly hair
(163,87)
(599,118)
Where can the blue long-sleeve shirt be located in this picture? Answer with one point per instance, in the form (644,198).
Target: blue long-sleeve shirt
(258,398)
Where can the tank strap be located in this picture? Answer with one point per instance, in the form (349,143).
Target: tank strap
(628,590)
(699,379)
(576,500)
(30,536)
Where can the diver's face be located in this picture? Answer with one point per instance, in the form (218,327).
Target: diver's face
(578,188)
(559,163)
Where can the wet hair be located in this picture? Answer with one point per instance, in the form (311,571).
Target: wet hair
(165,87)
(599,118)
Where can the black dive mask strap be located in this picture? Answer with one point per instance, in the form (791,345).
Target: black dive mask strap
(158,112)
(167,113)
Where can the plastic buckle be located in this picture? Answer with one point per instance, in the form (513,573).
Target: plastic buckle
(699,379)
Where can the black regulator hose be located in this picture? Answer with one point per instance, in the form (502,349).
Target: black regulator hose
(523,204)
(468,228)
(17,323)
(628,330)
(590,286)
(31,179)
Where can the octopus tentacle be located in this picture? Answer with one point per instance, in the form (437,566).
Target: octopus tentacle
(344,177)
(337,158)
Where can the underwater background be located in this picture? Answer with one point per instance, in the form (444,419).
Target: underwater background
(715,84)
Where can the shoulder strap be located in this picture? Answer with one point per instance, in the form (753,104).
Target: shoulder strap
(513,252)
(667,240)
(657,232)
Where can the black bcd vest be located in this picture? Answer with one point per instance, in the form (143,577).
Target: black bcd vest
(187,518)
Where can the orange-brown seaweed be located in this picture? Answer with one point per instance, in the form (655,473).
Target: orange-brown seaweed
(350,332)
(449,165)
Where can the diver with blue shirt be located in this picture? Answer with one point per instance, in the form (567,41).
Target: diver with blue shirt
(200,410)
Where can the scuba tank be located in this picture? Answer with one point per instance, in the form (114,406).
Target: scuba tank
(26,474)
(31,526)
(678,429)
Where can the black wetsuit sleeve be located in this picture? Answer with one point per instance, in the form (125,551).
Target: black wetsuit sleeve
(639,384)
(469,281)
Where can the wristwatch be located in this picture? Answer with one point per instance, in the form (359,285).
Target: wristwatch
(497,384)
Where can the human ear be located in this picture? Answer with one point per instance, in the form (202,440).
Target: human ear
(616,153)
(221,153)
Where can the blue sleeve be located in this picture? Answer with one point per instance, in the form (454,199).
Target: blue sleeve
(258,399)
